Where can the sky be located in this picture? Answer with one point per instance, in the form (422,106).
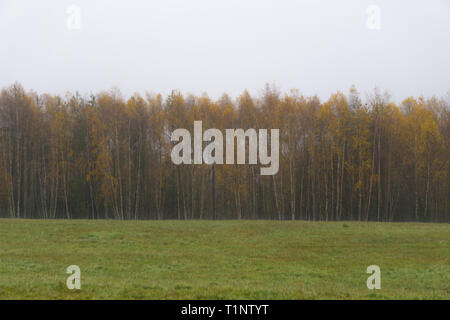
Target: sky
(196,46)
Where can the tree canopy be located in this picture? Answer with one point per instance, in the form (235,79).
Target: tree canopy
(105,156)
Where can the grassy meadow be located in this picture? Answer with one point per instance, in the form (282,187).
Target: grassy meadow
(223,259)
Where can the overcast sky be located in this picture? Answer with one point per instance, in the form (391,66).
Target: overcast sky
(213,46)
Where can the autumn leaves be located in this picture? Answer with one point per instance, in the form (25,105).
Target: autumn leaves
(104,156)
(213,152)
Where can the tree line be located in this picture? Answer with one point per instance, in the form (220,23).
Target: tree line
(106,157)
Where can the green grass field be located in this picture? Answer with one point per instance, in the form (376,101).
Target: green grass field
(223,259)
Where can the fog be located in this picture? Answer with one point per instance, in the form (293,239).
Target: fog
(227,46)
